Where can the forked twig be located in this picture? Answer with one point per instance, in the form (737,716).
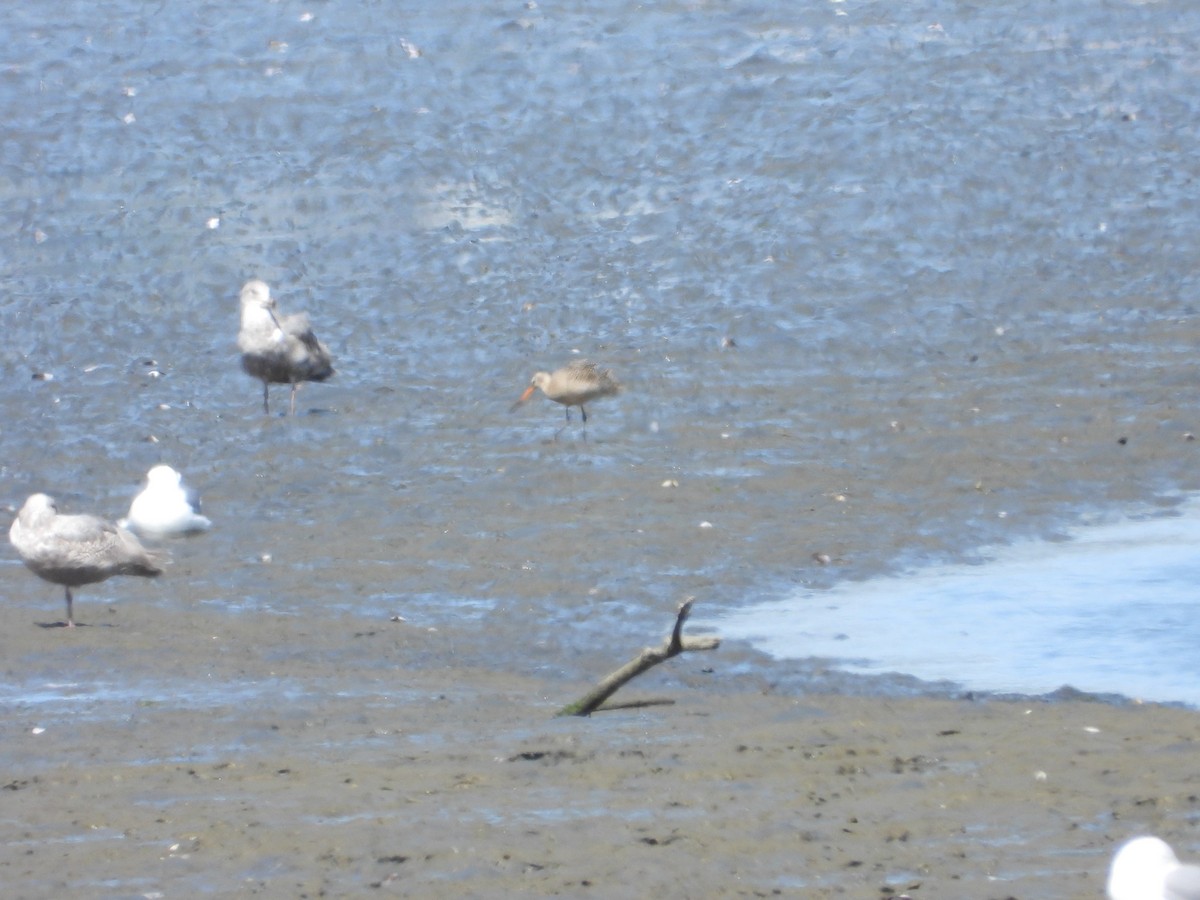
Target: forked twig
(649,657)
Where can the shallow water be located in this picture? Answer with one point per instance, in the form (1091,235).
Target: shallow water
(952,251)
(1108,609)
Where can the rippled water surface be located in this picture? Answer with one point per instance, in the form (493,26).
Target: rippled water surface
(872,273)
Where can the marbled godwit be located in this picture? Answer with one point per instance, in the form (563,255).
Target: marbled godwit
(165,507)
(574,385)
(278,349)
(1146,868)
(76,550)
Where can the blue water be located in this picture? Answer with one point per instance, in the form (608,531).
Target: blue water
(1111,609)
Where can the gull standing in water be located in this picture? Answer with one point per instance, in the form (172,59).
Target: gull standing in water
(77,550)
(574,385)
(278,349)
(1146,868)
(165,507)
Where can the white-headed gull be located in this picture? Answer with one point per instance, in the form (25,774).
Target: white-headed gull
(165,507)
(1146,868)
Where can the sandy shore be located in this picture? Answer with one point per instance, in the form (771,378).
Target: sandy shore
(352,776)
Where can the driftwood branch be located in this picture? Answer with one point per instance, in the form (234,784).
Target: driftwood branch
(647,659)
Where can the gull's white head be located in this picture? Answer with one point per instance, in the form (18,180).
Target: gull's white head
(163,476)
(38,508)
(36,503)
(1140,869)
(256,293)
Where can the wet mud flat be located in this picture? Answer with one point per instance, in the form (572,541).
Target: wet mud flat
(255,722)
(338,769)
(943,334)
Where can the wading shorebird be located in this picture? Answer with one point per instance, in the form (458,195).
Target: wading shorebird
(574,385)
(77,550)
(1146,868)
(278,349)
(165,507)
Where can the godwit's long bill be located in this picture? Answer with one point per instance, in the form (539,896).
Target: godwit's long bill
(77,550)
(574,385)
(278,349)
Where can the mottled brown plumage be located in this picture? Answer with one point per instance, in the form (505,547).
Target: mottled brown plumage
(574,385)
(77,550)
(278,349)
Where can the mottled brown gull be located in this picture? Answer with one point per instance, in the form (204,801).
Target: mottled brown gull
(77,550)
(278,349)
(574,385)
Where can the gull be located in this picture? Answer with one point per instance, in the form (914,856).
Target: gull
(165,507)
(77,550)
(278,349)
(1146,868)
(574,385)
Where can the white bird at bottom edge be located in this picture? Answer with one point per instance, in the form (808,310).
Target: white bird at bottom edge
(1146,868)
